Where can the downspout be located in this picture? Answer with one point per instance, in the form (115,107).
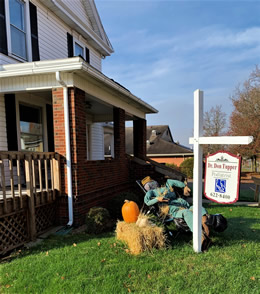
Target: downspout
(68,150)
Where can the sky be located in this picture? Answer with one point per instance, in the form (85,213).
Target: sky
(166,49)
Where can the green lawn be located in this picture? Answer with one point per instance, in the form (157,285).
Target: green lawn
(100,264)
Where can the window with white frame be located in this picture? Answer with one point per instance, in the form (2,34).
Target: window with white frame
(18,28)
(79,51)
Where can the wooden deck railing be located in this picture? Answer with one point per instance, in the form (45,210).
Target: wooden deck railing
(28,173)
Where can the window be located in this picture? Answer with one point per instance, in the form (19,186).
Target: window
(78,50)
(31,128)
(19,30)
(17,27)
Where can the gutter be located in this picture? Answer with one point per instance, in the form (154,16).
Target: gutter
(68,150)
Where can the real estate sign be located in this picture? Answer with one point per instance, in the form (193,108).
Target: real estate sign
(222,176)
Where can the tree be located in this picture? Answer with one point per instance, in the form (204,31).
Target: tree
(214,125)
(245,118)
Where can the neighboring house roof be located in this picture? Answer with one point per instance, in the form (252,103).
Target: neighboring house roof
(159,142)
(160,147)
(160,131)
(95,34)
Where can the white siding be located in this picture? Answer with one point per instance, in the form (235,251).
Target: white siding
(6,59)
(52,35)
(3,138)
(45,81)
(95,60)
(97,142)
(77,7)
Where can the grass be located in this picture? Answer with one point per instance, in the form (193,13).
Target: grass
(100,264)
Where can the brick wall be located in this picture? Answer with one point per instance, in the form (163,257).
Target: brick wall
(78,139)
(119,132)
(94,182)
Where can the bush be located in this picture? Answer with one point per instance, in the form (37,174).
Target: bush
(187,167)
(115,204)
(173,166)
(98,220)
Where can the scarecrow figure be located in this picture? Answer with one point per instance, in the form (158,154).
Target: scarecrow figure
(178,207)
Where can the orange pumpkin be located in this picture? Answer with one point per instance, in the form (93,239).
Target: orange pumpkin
(130,211)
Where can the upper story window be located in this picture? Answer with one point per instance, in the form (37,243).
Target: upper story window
(19,30)
(17,27)
(79,50)
(76,48)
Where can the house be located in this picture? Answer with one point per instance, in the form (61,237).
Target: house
(55,107)
(160,145)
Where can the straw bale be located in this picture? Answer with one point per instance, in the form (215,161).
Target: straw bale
(140,239)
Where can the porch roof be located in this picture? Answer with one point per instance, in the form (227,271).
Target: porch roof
(74,65)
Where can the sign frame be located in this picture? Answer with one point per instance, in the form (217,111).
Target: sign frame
(239,158)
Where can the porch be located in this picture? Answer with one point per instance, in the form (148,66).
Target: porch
(31,200)
(29,185)
(64,106)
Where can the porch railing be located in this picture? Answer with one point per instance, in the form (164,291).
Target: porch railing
(28,173)
(29,184)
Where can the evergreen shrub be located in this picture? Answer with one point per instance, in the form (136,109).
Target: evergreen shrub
(98,220)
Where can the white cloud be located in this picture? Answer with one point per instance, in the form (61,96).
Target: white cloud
(164,71)
(231,39)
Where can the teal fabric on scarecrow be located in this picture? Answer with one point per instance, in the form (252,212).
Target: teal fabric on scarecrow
(178,207)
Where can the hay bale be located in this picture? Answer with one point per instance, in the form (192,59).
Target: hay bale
(140,239)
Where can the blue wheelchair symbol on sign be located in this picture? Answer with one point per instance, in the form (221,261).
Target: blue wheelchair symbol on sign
(220,185)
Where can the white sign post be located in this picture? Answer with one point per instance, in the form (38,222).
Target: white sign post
(198,140)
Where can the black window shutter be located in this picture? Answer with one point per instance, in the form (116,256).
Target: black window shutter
(11,127)
(70,45)
(87,55)
(3,36)
(34,32)
(49,113)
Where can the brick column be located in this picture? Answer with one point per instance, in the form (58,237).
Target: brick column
(78,138)
(59,134)
(139,134)
(77,134)
(119,132)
